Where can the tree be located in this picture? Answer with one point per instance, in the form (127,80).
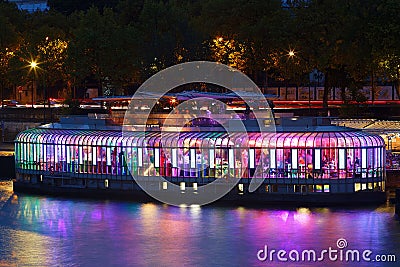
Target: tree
(165,36)
(52,54)
(102,49)
(70,6)
(331,35)
(47,41)
(251,33)
(384,35)
(10,38)
(129,11)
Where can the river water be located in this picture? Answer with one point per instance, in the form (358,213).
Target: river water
(49,231)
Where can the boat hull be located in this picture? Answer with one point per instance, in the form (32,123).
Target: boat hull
(360,198)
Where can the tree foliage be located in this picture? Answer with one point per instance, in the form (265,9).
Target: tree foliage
(120,43)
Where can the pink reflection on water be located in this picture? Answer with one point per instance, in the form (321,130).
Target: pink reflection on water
(302,216)
(131,234)
(62,229)
(284,215)
(97,215)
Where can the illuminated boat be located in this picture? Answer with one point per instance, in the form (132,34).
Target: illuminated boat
(305,160)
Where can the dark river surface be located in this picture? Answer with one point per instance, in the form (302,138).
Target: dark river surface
(49,231)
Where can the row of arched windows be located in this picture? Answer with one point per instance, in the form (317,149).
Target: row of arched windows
(308,155)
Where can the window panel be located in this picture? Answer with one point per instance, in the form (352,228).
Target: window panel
(108,156)
(252,157)
(80,155)
(364,158)
(140,157)
(294,158)
(317,158)
(212,158)
(192,158)
(273,159)
(156,157)
(231,158)
(342,159)
(94,155)
(174,158)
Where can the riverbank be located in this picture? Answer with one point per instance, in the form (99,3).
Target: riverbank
(7,146)
(7,160)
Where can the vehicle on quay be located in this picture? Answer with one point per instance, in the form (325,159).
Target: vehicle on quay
(90,104)
(9,103)
(48,103)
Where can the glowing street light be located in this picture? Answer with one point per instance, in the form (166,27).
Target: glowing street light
(290,55)
(33,64)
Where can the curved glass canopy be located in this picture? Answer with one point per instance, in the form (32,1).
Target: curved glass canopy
(302,155)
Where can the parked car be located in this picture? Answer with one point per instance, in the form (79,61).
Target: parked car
(48,103)
(9,103)
(90,104)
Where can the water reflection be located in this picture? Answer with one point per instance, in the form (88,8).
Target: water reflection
(44,231)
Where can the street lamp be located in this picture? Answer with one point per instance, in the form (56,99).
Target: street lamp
(290,54)
(33,64)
